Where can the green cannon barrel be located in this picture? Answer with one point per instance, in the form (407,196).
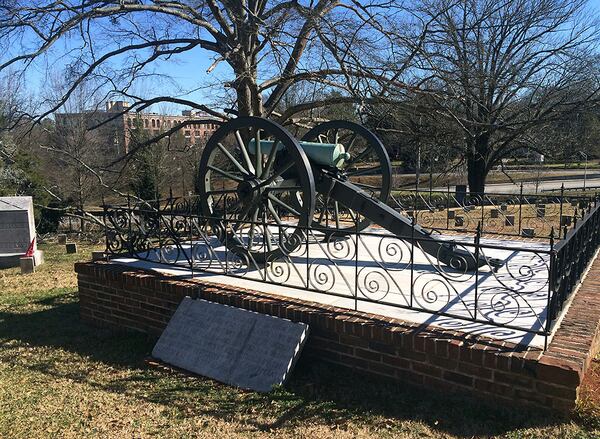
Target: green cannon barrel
(325,154)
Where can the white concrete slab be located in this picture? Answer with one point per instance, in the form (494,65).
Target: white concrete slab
(378,280)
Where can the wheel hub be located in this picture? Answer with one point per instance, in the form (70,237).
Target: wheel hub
(249,191)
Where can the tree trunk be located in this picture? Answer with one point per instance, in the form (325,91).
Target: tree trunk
(249,100)
(477,167)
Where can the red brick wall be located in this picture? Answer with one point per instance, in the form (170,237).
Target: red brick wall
(118,296)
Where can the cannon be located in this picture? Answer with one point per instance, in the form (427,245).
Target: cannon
(336,180)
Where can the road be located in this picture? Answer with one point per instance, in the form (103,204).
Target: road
(571,178)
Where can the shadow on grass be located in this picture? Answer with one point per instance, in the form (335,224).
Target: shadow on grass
(317,393)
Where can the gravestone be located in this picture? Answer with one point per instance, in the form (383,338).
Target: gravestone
(541,211)
(71,248)
(17,230)
(528,233)
(461,193)
(231,345)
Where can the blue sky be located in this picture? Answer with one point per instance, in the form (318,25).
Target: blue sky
(188,72)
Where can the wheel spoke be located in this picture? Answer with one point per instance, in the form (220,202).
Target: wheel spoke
(221,192)
(276,174)
(252,226)
(225,173)
(268,237)
(270,160)
(363,171)
(276,200)
(283,188)
(351,144)
(360,156)
(367,186)
(274,213)
(232,159)
(258,153)
(244,151)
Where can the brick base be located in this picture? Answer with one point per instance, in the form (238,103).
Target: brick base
(121,297)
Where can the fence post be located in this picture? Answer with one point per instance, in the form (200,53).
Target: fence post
(477,240)
(550,284)
(159,228)
(520,208)
(105,222)
(412,260)
(560,214)
(356,223)
(265,238)
(448,207)
(225,232)
(129,220)
(482,204)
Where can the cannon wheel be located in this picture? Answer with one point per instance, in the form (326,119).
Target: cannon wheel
(258,203)
(369,168)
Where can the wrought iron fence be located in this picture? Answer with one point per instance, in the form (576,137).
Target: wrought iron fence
(517,214)
(371,268)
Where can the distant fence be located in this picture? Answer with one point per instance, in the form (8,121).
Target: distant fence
(521,214)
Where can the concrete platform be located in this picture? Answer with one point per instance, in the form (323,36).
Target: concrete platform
(379,281)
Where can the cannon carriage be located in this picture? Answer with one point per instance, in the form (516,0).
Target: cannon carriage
(262,189)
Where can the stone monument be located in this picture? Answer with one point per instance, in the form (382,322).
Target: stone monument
(17,230)
(231,345)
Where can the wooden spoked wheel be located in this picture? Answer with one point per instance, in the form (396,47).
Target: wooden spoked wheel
(369,168)
(257,189)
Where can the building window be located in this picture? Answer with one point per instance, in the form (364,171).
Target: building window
(146,123)
(187,133)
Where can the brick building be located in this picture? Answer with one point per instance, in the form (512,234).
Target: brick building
(115,133)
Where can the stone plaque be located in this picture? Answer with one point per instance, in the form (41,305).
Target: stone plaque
(17,226)
(231,345)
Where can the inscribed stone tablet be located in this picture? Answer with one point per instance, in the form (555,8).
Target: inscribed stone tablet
(17,228)
(231,345)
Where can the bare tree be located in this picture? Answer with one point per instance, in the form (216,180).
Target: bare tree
(267,47)
(500,69)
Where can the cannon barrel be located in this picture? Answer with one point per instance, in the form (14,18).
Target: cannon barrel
(324,154)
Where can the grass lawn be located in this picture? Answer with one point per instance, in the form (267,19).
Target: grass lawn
(60,378)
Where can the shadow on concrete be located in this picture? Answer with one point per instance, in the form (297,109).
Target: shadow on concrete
(318,393)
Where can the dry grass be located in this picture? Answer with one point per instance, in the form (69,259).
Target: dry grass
(60,378)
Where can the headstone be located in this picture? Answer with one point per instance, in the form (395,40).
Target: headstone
(461,193)
(528,233)
(17,231)
(98,256)
(231,345)
(62,239)
(27,264)
(541,211)
(459,221)
(71,248)
(509,220)
(451,214)
(494,213)
(565,220)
